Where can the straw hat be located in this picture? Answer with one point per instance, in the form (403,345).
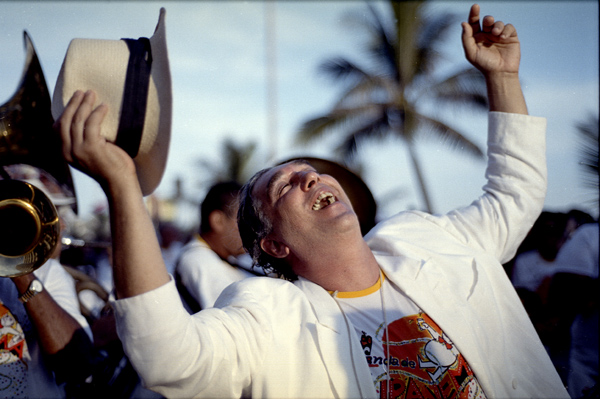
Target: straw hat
(133,78)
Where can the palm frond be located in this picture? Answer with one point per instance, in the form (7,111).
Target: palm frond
(340,68)
(338,118)
(236,159)
(383,48)
(371,89)
(464,88)
(232,163)
(315,128)
(449,136)
(588,150)
(373,129)
(433,32)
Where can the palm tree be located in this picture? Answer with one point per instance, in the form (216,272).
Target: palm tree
(233,164)
(385,99)
(588,133)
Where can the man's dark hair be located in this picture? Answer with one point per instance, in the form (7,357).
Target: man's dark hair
(222,197)
(254,225)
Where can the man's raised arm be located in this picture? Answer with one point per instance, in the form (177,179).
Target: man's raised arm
(138,266)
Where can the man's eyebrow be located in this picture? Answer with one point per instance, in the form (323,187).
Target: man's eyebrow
(271,184)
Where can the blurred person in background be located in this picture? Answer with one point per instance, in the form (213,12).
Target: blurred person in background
(534,266)
(573,308)
(215,257)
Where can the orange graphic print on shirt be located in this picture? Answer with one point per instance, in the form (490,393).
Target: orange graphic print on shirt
(12,338)
(14,356)
(424,363)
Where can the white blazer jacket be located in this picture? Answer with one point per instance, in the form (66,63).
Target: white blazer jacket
(271,338)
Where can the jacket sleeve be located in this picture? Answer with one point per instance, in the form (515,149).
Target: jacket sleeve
(181,355)
(513,198)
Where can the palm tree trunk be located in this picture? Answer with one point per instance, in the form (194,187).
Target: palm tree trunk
(417,170)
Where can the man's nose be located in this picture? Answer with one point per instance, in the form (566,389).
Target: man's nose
(308,179)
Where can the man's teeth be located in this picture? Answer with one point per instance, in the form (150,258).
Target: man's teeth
(323,200)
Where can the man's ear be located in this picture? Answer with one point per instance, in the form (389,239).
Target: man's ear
(274,248)
(216,220)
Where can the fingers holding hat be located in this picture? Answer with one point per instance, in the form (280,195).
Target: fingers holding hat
(79,124)
(92,118)
(83,145)
(62,124)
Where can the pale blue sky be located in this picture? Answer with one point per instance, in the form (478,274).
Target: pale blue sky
(217,53)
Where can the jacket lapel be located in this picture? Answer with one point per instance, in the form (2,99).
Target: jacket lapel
(338,345)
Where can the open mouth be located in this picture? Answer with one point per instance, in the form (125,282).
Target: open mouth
(323,200)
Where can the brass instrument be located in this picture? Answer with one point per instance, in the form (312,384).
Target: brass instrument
(29,225)
(30,228)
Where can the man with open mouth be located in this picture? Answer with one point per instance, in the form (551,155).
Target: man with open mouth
(420,307)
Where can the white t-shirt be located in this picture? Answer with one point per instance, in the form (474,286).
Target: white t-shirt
(204,274)
(579,255)
(530,270)
(418,360)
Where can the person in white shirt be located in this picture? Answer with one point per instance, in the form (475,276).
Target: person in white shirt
(211,260)
(573,303)
(45,341)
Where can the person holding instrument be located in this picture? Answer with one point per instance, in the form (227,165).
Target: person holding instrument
(46,344)
(421,305)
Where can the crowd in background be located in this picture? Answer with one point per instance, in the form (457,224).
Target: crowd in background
(555,273)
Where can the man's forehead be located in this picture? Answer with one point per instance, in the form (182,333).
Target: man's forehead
(272,175)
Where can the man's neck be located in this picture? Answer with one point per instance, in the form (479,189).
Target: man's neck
(342,268)
(215,244)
